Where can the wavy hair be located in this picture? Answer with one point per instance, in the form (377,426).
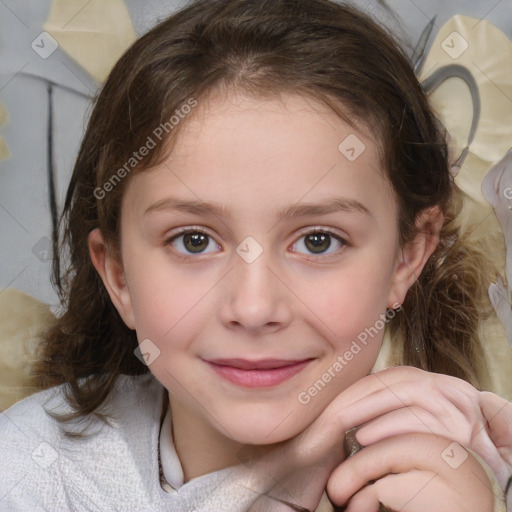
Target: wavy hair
(317,48)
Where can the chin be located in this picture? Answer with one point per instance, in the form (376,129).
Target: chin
(265,428)
(261,437)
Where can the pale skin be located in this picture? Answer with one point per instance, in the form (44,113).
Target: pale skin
(253,157)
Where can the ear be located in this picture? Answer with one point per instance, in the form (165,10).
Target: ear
(414,255)
(110,268)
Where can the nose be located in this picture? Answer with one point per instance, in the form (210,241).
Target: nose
(255,297)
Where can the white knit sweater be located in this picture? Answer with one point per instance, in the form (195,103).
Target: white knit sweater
(113,468)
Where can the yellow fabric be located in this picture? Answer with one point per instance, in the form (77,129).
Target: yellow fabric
(93,32)
(21,317)
(487,56)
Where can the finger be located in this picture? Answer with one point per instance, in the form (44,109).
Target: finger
(402,454)
(432,412)
(417,380)
(366,500)
(394,388)
(498,413)
(407,419)
(365,400)
(449,423)
(450,405)
(417,420)
(399,387)
(394,455)
(415,491)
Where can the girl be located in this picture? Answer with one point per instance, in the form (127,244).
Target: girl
(261,190)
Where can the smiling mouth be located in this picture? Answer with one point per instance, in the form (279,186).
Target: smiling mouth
(262,373)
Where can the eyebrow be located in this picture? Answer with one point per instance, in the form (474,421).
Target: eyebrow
(330,205)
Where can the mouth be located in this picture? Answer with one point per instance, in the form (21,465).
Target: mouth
(257,374)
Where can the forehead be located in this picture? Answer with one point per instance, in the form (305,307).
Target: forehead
(289,120)
(245,151)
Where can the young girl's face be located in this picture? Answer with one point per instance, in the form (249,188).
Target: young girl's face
(275,300)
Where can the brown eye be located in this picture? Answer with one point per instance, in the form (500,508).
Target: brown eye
(195,242)
(192,242)
(318,242)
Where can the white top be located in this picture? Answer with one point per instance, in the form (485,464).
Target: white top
(114,468)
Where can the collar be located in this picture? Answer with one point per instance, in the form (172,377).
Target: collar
(171,472)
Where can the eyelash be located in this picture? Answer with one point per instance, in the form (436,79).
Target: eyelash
(193,229)
(184,231)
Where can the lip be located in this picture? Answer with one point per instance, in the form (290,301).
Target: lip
(257,374)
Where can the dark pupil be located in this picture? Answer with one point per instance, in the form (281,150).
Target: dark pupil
(318,242)
(198,241)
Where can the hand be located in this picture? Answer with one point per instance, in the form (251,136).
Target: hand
(405,399)
(388,403)
(411,473)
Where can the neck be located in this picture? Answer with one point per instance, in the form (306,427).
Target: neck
(201,448)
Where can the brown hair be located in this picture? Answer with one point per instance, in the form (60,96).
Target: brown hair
(317,48)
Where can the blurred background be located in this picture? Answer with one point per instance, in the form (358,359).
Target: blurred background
(54,54)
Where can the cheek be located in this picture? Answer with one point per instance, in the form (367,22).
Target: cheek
(351,302)
(171,317)
(162,299)
(350,313)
